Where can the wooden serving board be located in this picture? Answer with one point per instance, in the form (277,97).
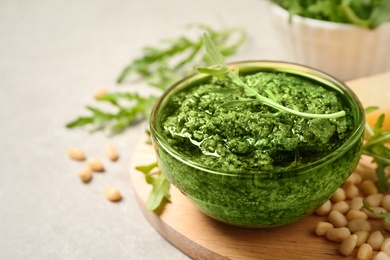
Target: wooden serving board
(201,237)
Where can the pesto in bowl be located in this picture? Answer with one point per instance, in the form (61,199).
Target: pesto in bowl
(249,165)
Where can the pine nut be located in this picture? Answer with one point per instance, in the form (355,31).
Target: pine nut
(100,92)
(341,206)
(95,164)
(112,193)
(358,225)
(337,219)
(322,228)
(382,256)
(339,195)
(375,240)
(85,174)
(76,154)
(357,203)
(365,252)
(369,187)
(351,190)
(111,153)
(386,246)
(386,202)
(362,237)
(356,214)
(374,200)
(354,178)
(338,234)
(348,245)
(324,209)
(386,225)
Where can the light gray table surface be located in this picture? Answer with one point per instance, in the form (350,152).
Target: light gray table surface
(53,55)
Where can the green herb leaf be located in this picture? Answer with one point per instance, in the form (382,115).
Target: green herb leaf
(233,76)
(161,185)
(128,106)
(377,147)
(385,215)
(159,67)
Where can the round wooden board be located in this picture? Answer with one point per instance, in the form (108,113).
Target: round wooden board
(201,237)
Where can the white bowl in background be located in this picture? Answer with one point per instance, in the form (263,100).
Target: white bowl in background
(344,51)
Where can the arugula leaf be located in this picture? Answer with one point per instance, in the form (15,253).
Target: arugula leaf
(161,67)
(158,67)
(385,215)
(161,185)
(125,115)
(224,72)
(377,147)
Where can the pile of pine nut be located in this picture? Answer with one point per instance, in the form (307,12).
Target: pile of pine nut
(358,231)
(93,164)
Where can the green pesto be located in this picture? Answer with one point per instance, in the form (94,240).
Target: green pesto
(243,137)
(259,150)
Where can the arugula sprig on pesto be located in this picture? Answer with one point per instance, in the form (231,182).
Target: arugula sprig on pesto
(224,72)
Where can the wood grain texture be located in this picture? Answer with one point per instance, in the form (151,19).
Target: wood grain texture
(201,237)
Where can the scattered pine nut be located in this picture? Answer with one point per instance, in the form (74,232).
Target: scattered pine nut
(323,227)
(386,202)
(348,245)
(355,178)
(362,237)
(85,174)
(339,195)
(341,206)
(337,219)
(356,214)
(374,200)
(95,164)
(375,240)
(364,252)
(358,225)
(369,187)
(351,190)
(357,203)
(112,194)
(111,153)
(386,246)
(386,225)
(324,209)
(76,154)
(338,234)
(382,256)
(100,92)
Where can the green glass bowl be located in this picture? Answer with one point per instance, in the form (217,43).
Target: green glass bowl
(262,198)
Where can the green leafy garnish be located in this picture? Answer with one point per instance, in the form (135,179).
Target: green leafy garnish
(161,67)
(160,191)
(224,72)
(385,215)
(158,67)
(368,14)
(377,147)
(128,107)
